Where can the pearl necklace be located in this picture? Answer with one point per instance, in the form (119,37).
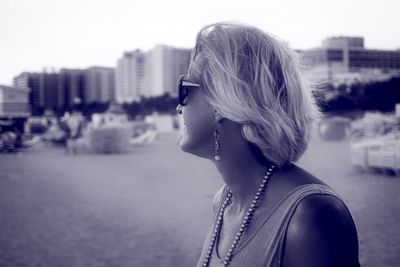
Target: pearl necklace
(245,223)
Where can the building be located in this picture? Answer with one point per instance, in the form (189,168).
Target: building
(179,66)
(22,81)
(44,90)
(61,91)
(165,65)
(14,110)
(14,102)
(43,87)
(153,73)
(48,83)
(100,84)
(70,88)
(55,91)
(346,60)
(130,77)
(30,81)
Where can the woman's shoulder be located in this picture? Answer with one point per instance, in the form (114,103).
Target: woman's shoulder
(321,232)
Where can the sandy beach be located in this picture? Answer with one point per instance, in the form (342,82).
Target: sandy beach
(152,206)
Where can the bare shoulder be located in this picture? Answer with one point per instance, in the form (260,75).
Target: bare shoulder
(321,233)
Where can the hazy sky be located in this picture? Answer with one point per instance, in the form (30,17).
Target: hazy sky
(81,33)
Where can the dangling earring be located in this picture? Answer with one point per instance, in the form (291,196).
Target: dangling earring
(217,145)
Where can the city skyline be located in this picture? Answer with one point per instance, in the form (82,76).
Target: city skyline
(46,34)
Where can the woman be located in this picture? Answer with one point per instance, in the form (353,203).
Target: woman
(247,108)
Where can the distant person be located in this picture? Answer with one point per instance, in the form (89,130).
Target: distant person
(246,107)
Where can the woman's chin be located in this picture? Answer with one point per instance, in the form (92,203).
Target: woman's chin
(186,145)
(184,142)
(191,146)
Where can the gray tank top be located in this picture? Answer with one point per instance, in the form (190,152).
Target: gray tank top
(263,245)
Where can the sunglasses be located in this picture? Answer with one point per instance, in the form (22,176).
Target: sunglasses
(183,89)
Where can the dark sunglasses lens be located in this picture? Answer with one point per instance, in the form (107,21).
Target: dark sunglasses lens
(183,92)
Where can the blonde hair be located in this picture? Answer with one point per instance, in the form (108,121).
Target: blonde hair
(253,79)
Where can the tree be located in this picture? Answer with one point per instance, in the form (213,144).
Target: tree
(132,109)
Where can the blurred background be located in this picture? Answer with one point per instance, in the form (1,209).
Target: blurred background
(91,173)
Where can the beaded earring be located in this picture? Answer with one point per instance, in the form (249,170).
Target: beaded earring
(217,144)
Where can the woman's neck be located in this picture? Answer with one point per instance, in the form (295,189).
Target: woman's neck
(239,167)
(243,175)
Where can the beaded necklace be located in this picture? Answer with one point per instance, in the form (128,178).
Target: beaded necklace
(247,219)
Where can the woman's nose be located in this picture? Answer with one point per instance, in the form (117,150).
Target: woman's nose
(179,109)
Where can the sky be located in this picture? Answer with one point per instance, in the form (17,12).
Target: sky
(38,34)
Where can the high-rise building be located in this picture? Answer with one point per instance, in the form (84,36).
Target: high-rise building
(48,86)
(150,74)
(154,71)
(60,91)
(41,87)
(180,65)
(30,82)
(130,77)
(21,81)
(71,88)
(165,65)
(52,91)
(100,84)
(345,60)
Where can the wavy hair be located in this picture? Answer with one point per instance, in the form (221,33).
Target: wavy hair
(252,78)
